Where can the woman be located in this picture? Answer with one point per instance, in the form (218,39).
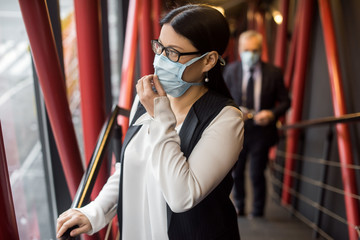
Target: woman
(183,140)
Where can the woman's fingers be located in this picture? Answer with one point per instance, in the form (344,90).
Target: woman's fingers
(62,219)
(145,86)
(83,226)
(70,219)
(148,86)
(158,86)
(65,226)
(147,93)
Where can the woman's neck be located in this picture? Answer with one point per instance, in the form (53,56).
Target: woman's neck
(182,105)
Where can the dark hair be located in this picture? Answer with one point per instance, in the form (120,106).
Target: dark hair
(208,30)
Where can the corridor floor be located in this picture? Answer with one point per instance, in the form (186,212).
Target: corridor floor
(278,224)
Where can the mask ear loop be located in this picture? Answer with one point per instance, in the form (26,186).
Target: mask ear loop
(222,61)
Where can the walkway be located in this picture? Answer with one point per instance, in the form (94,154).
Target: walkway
(278,223)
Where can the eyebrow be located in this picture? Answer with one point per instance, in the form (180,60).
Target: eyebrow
(171,46)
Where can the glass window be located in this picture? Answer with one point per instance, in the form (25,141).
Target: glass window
(18,113)
(20,127)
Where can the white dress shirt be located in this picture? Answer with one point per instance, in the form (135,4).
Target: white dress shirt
(157,173)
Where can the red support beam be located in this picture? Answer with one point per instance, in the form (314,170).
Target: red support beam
(281,36)
(260,27)
(156,12)
(37,24)
(289,70)
(91,73)
(145,36)
(339,106)
(128,63)
(250,15)
(8,227)
(290,63)
(306,16)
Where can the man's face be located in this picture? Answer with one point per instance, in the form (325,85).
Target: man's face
(249,51)
(251,44)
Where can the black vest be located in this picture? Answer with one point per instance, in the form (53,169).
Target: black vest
(214,217)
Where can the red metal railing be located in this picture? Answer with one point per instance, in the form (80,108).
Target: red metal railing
(52,83)
(339,106)
(8,227)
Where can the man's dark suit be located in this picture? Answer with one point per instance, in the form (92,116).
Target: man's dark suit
(258,139)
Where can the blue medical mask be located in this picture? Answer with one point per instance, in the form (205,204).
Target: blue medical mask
(170,74)
(249,58)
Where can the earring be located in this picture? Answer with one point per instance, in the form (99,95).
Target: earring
(206,77)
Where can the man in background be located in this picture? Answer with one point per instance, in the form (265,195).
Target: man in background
(258,88)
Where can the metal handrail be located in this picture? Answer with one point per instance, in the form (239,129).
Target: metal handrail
(323,121)
(328,121)
(86,185)
(89,177)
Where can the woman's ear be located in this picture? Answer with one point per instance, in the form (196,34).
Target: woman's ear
(210,61)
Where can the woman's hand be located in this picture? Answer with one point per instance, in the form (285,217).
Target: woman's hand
(145,89)
(72,218)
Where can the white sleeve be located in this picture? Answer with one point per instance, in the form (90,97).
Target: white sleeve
(185,182)
(102,210)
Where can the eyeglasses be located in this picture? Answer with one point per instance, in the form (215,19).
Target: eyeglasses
(171,53)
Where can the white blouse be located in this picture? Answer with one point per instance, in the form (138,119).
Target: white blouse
(156,172)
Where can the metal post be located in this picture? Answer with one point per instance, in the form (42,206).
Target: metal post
(297,93)
(106,56)
(339,106)
(128,63)
(8,227)
(52,82)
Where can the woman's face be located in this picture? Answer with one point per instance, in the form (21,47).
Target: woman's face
(169,38)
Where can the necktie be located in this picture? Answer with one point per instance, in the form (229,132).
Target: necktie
(250,91)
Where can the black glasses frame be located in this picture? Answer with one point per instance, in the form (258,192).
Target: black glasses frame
(168,50)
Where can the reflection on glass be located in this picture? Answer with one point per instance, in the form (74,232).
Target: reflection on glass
(68,26)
